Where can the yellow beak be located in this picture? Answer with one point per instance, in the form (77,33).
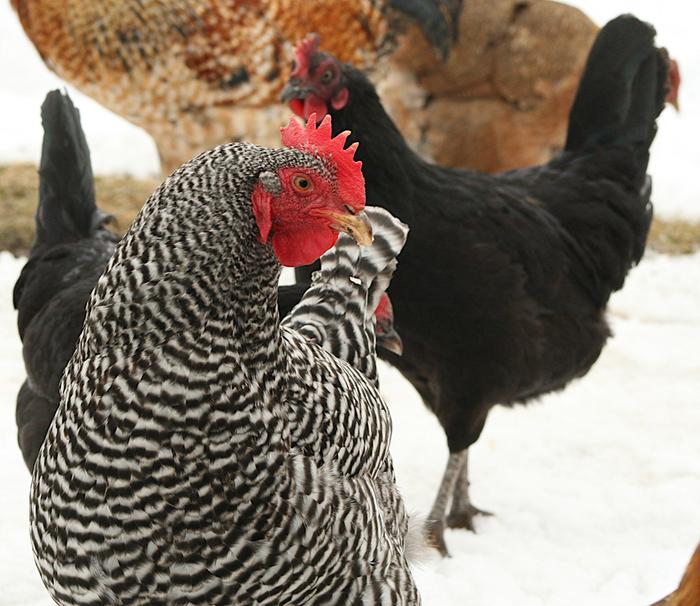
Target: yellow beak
(356,226)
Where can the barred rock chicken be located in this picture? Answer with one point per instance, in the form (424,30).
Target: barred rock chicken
(501,292)
(197,73)
(70,252)
(180,68)
(202,453)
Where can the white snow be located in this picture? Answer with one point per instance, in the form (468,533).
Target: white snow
(120,147)
(595,490)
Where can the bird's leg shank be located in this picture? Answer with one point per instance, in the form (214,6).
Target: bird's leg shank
(462,512)
(436,519)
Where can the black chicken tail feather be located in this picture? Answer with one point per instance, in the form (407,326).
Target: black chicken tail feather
(67,210)
(622,91)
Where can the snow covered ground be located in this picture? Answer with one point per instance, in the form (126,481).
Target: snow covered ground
(118,146)
(595,490)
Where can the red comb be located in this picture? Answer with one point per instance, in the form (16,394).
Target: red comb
(318,140)
(674,83)
(302,54)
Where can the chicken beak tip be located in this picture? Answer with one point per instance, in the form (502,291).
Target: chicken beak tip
(391,342)
(361,230)
(357,226)
(290,92)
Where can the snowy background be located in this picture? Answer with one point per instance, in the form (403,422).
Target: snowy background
(595,490)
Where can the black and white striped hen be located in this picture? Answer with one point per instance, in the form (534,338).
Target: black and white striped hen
(202,453)
(71,250)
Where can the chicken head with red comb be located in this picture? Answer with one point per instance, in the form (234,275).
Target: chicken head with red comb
(316,81)
(301,209)
(319,140)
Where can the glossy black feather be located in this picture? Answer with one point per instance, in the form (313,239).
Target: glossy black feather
(288,296)
(69,253)
(66,210)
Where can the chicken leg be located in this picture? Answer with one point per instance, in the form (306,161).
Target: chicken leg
(435,526)
(454,488)
(462,511)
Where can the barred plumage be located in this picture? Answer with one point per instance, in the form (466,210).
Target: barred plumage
(337,311)
(202,454)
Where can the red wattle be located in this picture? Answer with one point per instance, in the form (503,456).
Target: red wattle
(297,106)
(315,105)
(296,246)
(341,99)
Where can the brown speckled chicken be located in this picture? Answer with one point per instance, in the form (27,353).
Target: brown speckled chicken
(177,68)
(196,73)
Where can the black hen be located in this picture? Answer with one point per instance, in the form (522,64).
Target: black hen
(502,286)
(70,252)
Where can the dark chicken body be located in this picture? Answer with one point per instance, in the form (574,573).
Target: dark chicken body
(70,251)
(502,287)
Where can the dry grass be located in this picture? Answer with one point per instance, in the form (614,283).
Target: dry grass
(123,197)
(675,236)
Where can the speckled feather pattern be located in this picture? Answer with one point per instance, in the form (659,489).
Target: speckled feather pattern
(337,311)
(181,69)
(202,454)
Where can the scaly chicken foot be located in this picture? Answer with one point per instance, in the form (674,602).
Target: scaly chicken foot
(463,512)
(435,526)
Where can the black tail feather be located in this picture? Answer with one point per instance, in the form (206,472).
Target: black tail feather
(622,91)
(66,210)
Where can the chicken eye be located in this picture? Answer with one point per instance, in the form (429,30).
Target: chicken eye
(302,183)
(326,76)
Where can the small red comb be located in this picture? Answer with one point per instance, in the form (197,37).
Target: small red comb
(674,83)
(302,54)
(319,140)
